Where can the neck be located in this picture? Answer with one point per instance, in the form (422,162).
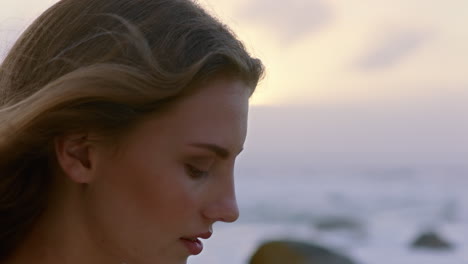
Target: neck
(61,235)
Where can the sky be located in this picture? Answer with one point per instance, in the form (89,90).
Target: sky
(346,80)
(342,51)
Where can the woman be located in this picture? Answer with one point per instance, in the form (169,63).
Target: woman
(120,121)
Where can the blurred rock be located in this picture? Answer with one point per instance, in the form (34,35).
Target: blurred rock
(294,252)
(431,240)
(337,222)
(340,231)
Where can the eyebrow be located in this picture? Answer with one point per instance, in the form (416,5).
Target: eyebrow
(221,152)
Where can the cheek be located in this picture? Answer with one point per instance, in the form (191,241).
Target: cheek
(145,192)
(142,208)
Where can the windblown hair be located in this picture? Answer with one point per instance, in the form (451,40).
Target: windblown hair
(98,65)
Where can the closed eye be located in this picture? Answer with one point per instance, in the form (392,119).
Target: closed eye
(195,173)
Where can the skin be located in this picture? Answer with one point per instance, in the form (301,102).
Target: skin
(172,178)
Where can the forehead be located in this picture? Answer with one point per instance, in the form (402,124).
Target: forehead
(215,113)
(220,103)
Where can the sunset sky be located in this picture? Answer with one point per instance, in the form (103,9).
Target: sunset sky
(334,51)
(340,51)
(351,76)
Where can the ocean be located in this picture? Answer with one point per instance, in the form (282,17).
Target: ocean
(371,214)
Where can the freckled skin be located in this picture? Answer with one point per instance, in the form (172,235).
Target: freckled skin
(143,201)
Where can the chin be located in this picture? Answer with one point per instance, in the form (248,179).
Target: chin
(182,261)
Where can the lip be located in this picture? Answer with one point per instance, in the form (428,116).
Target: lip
(194,246)
(204,235)
(193,243)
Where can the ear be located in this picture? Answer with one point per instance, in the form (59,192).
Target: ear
(74,156)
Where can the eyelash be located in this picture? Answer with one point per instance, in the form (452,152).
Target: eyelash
(196,173)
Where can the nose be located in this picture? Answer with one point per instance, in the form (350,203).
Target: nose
(223,206)
(224,210)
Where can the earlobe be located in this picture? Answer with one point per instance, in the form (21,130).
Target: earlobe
(73,157)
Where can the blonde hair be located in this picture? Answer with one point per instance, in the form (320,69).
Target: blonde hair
(98,65)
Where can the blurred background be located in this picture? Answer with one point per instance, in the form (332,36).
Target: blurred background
(358,135)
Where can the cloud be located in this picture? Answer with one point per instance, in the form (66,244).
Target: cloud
(291,19)
(393,48)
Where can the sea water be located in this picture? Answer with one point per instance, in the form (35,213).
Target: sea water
(381,211)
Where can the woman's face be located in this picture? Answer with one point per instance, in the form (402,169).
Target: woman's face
(173,178)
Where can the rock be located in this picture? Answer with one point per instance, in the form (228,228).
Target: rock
(340,231)
(294,252)
(337,222)
(431,240)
